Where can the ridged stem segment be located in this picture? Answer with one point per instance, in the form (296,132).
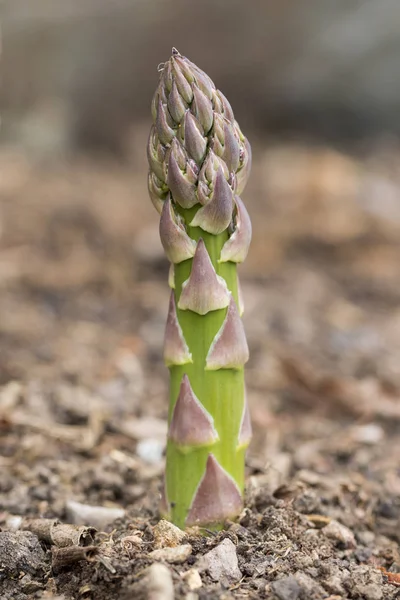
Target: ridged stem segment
(198,161)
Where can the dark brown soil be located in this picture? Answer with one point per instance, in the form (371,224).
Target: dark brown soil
(83,396)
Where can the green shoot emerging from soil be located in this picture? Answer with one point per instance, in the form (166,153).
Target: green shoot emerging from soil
(199,164)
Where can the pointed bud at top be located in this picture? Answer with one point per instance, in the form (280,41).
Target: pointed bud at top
(156,192)
(215,216)
(237,246)
(204,291)
(229,349)
(185,66)
(245,431)
(177,244)
(164,131)
(176,105)
(176,351)
(182,190)
(202,80)
(202,109)
(194,140)
(194,121)
(182,84)
(243,173)
(191,425)
(217,497)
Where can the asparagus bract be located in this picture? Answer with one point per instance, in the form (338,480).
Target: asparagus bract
(199,164)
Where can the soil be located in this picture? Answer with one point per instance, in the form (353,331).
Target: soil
(83,397)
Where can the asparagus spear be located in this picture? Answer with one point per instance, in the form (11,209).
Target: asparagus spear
(199,164)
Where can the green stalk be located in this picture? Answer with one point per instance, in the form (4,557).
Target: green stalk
(199,160)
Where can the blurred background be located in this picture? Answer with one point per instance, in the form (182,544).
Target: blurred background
(80,73)
(315,85)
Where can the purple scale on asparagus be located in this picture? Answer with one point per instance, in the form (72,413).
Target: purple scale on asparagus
(177,244)
(217,497)
(183,64)
(182,82)
(194,140)
(231,153)
(215,216)
(164,130)
(194,74)
(156,156)
(204,291)
(156,192)
(229,349)
(228,112)
(191,425)
(207,176)
(182,189)
(243,173)
(236,248)
(203,109)
(176,104)
(176,351)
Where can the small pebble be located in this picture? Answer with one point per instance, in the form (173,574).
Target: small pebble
(193,579)
(222,563)
(97,516)
(167,535)
(334,584)
(150,450)
(366,537)
(340,533)
(176,555)
(286,588)
(309,587)
(158,583)
(368,434)
(363,554)
(14,522)
(370,591)
(388,509)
